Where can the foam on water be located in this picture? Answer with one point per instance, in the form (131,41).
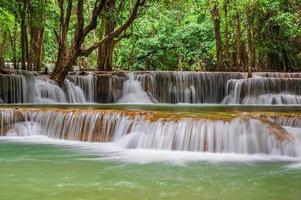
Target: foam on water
(133,93)
(134,130)
(112,152)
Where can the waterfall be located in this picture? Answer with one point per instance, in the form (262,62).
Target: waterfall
(262,90)
(153,87)
(74,93)
(148,130)
(292,121)
(17,88)
(49,92)
(187,87)
(24,87)
(87,85)
(133,93)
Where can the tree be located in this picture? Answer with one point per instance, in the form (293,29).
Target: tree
(37,10)
(217,33)
(6,25)
(67,55)
(251,50)
(238,40)
(23,6)
(105,51)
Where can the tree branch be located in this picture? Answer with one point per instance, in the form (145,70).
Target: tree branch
(116,33)
(98,7)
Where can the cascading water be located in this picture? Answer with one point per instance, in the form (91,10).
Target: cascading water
(187,87)
(262,90)
(17,88)
(133,93)
(23,87)
(153,87)
(49,92)
(87,85)
(147,130)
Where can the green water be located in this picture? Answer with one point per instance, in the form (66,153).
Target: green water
(48,171)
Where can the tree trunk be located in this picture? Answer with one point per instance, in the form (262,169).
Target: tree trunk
(238,43)
(2,49)
(105,51)
(14,46)
(23,39)
(179,64)
(217,33)
(68,54)
(2,64)
(36,44)
(227,45)
(251,50)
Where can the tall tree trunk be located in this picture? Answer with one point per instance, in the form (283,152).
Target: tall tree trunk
(227,45)
(238,43)
(217,33)
(105,51)
(36,44)
(14,46)
(93,31)
(23,39)
(251,50)
(36,28)
(12,38)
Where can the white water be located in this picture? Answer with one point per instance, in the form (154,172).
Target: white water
(136,131)
(86,83)
(153,87)
(133,93)
(23,87)
(187,87)
(262,90)
(17,88)
(110,151)
(49,92)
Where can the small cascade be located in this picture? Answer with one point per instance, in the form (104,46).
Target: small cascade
(87,85)
(148,130)
(288,121)
(49,92)
(109,87)
(262,90)
(133,93)
(17,88)
(187,87)
(74,93)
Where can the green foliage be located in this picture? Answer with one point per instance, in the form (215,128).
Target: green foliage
(171,30)
(161,35)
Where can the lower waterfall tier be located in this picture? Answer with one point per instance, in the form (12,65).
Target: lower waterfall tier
(242,133)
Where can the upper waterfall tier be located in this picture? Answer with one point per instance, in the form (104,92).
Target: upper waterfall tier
(153,87)
(237,133)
